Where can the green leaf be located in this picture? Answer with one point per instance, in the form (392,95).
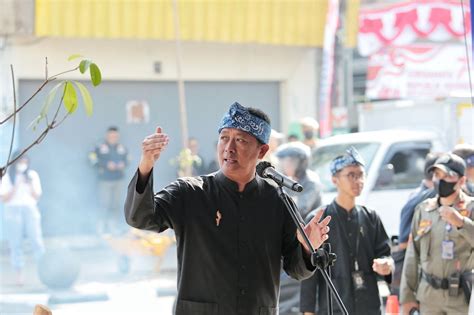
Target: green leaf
(72,57)
(86,98)
(96,77)
(49,99)
(70,97)
(84,65)
(35,122)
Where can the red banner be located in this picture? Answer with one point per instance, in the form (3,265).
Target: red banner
(404,23)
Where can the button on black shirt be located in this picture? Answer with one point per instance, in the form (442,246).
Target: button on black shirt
(351,224)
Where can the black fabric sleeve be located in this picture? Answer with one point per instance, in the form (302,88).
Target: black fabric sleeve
(296,263)
(142,182)
(382,243)
(308,294)
(154,212)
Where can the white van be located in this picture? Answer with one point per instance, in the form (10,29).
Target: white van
(394,165)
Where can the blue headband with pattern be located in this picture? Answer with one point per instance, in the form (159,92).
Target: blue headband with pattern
(239,117)
(352,157)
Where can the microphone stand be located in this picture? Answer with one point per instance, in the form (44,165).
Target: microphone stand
(321,258)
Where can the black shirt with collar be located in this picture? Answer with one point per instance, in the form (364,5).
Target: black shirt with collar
(230,244)
(373,243)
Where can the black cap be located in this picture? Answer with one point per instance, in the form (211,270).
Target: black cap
(430,160)
(450,164)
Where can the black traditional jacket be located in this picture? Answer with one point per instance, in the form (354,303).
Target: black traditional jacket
(345,228)
(230,244)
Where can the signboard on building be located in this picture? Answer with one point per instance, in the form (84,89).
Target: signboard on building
(418,71)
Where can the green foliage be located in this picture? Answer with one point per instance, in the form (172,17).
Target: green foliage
(50,98)
(184,162)
(72,57)
(69,91)
(84,65)
(96,76)
(86,98)
(70,98)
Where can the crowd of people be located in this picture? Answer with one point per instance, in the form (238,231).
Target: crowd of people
(234,234)
(434,254)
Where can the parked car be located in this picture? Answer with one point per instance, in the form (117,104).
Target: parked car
(394,165)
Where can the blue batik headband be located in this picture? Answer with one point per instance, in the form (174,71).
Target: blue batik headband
(352,157)
(239,117)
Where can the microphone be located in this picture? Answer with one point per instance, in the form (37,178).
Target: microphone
(266,170)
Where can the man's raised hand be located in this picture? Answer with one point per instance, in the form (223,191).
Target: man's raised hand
(152,146)
(316,231)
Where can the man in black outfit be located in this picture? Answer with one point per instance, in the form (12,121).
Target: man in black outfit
(360,242)
(232,230)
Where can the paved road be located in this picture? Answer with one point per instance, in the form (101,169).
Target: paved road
(100,288)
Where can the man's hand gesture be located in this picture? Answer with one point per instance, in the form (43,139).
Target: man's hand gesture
(152,146)
(316,231)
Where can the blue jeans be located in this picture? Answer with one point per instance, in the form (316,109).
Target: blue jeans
(23,221)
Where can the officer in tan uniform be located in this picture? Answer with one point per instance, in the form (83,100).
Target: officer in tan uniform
(441,244)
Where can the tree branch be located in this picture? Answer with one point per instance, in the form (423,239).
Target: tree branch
(24,104)
(14,119)
(61,73)
(46,68)
(48,80)
(40,138)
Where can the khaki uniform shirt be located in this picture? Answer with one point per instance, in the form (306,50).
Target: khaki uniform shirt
(424,251)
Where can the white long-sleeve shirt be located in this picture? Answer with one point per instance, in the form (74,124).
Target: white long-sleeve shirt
(24,192)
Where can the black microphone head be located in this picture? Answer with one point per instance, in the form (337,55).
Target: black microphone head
(298,188)
(262,166)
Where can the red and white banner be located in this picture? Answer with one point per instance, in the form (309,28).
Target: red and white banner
(327,69)
(421,71)
(404,23)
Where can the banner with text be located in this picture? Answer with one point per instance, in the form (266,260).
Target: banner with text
(418,71)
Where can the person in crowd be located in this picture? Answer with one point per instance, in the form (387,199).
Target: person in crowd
(198,164)
(20,190)
(232,229)
(276,139)
(292,137)
(293,160)
(466,151)
(423,192)
(310,128)
(358,238)
(441,245)
(110,158)
(214,164)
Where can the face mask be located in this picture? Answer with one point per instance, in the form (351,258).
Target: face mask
(444,188)
(308,135)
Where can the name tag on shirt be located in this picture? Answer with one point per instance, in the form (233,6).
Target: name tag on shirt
(447,250)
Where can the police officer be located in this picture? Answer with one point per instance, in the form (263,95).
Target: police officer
(441,244)
(110,159)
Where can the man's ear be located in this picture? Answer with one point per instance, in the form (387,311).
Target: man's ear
(334,180)
(263,150)
(462,181)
